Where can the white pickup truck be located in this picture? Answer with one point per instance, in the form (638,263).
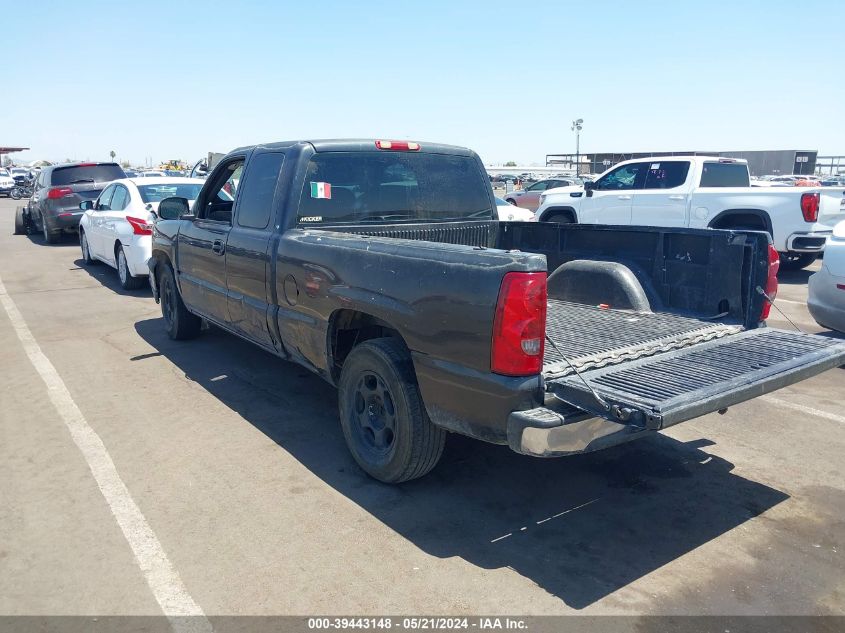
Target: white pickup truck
(702,192)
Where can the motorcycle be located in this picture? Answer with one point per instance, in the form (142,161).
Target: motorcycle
(21,191)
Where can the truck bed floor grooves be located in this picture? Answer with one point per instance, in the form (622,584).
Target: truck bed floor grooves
(592,337)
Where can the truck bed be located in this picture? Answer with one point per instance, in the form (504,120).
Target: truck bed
(590,337)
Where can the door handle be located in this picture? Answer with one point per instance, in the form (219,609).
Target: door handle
(624,197)
(217,247)
(677,197)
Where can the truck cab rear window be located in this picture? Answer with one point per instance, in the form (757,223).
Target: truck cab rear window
(725,175)
(352,187)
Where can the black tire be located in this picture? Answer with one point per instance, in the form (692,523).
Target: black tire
(179,323)
(50,237)
(127,280)
(559,218)
(796,261)
(511,201)
(15,194)
(86,251)
(382,414)
(20,222)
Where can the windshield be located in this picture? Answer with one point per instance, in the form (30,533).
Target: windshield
(725,175)
(85,173)
(355,187)
(157,193)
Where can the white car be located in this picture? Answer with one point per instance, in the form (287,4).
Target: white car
(7,183)
(117,227)
(826,300)
(152,174)
(511,213)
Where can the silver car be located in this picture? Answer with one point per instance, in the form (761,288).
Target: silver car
(826,300)
(529,198)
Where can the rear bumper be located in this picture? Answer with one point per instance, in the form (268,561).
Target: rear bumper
(826,302)
(557,430)
(65,220)
(807,242)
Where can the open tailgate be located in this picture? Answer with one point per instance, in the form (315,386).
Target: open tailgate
(662,390)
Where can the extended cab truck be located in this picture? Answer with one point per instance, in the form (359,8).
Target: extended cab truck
(378,265)
(702,192)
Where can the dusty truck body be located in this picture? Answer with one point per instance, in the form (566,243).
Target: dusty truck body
(378,265)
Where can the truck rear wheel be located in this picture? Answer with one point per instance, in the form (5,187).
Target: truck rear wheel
(180,323)
(382,414)
(20,222)
(796,261)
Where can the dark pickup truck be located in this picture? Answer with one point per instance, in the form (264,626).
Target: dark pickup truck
(379,265)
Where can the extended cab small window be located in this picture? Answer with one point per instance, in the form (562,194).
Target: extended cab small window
(256,201)
(623,178)
(725,175)
(387,186)
(217,205)
(666,174)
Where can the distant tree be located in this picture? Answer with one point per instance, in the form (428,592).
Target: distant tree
(510,163)
(125,164)
(6,161)
(112,154)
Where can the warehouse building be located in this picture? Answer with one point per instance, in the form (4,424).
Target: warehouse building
(760,162)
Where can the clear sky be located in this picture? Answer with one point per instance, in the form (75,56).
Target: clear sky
(177,79)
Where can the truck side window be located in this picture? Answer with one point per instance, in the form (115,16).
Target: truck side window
(217,205)
(666,174)
(256,202)
(623,178)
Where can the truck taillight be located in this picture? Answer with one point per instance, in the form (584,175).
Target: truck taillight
(519,327)
(139,226)
(771,283)
(810,206)
(59,192)
(399,146)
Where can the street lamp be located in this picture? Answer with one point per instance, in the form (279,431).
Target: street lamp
(576,127)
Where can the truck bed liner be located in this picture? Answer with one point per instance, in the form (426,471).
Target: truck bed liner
(591,337)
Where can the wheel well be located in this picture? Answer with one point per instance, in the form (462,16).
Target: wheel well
(743,218)
(348,328)
(117,243)
(559,211)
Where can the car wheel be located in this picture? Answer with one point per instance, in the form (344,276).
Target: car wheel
(20,222)
(51,237)
(86,250)
(15,194)
(382,414)
(796,261)
(179,323)
(511,201)
(127,280)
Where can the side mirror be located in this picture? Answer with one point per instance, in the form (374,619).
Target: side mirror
(589,186)
(173,208)
(86,205)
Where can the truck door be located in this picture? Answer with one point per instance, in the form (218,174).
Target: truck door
(610,202)
(664,199)
(202,244)
(248,248)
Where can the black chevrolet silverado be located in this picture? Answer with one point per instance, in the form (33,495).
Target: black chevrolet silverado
(379,265)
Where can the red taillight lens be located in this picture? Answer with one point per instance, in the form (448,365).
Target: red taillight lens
(771,283)
(519,327)
(399,146)
(810,206)
(59,192)
(139,226)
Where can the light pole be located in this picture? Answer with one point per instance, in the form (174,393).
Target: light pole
(576,127)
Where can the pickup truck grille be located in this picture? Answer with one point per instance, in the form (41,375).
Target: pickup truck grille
(591,337)
(467,234)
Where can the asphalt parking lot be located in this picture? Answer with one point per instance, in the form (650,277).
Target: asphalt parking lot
(238,464)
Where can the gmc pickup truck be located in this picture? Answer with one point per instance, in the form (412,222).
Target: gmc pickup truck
(379,266)
(702,192)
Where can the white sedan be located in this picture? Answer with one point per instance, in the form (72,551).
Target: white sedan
(826,300)
(117,227)
(511,213)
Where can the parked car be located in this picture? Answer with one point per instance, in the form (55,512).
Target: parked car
(20,175)
(131,173)
(529,197)
(7,183)
(116,227)
(153,174)
(508,212)
(826,300)
(380,266)
(53,208)
(705,192)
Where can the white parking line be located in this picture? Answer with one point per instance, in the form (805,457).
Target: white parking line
(164,581)
(798,303)
(804,409)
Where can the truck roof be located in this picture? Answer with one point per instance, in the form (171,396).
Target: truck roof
(358,145)
(689,157)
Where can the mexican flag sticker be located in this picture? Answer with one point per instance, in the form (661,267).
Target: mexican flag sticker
(321,190)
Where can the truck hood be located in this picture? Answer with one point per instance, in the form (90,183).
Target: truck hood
(565,190)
